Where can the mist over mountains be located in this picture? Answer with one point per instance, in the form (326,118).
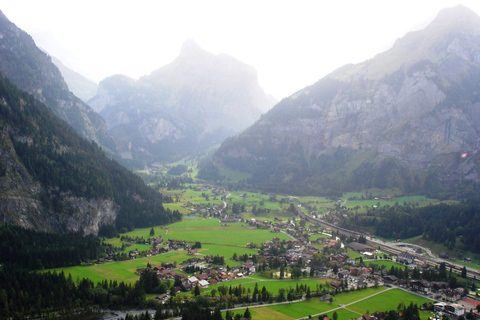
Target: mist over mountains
(182,108)
(32,71)
(402,119)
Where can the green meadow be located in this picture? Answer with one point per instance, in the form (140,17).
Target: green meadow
(389,300)
(386,263)
(215,240)
(121,270)
(315,306)
(345,305)
(272,285)
(207,231)
(211,231)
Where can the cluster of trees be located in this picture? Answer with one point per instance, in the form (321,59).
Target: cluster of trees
(410,312)
(237,208)
(441,223)
(218,260)
(245,256)
(442,273)
(178,170)
(37,250)
(192,269)
(196,311)
(197,245)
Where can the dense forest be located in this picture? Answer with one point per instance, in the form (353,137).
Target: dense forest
(25,294)
(452,225)
(36,250)
(64,163)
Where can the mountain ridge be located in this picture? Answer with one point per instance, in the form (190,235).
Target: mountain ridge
(411,48)
(357,128)
(33,71)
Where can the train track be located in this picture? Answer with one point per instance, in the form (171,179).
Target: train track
(393,248)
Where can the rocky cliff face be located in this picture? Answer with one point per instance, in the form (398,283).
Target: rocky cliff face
(182,108)
(86,215)
(22,197)
(396,120)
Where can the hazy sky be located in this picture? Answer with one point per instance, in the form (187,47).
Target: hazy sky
(291,44)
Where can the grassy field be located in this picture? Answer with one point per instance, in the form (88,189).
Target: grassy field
(215,239)
(207,231)
(386,263)
(121,270)
(417,200)
(389,300)
(210,231)
(301,309)
(379,299)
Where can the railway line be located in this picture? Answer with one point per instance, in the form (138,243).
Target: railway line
(394,248)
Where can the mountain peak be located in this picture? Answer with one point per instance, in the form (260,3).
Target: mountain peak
(457,26)
(190,48)
(458,18)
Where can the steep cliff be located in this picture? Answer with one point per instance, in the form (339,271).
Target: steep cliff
(182,108)
(402,119)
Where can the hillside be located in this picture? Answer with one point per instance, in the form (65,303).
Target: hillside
(402,119)
(181,109)
(80,86)
(51,179)
(33,71)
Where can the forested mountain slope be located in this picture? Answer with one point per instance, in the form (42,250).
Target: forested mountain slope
(52,179)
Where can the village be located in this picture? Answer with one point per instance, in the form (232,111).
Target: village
(346,263)
(324,257)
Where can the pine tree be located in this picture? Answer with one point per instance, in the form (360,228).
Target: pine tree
(197,290)
(247,314)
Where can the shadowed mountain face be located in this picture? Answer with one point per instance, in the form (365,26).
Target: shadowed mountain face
(402,119)
(83,88)
(28,67)
(182,108)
